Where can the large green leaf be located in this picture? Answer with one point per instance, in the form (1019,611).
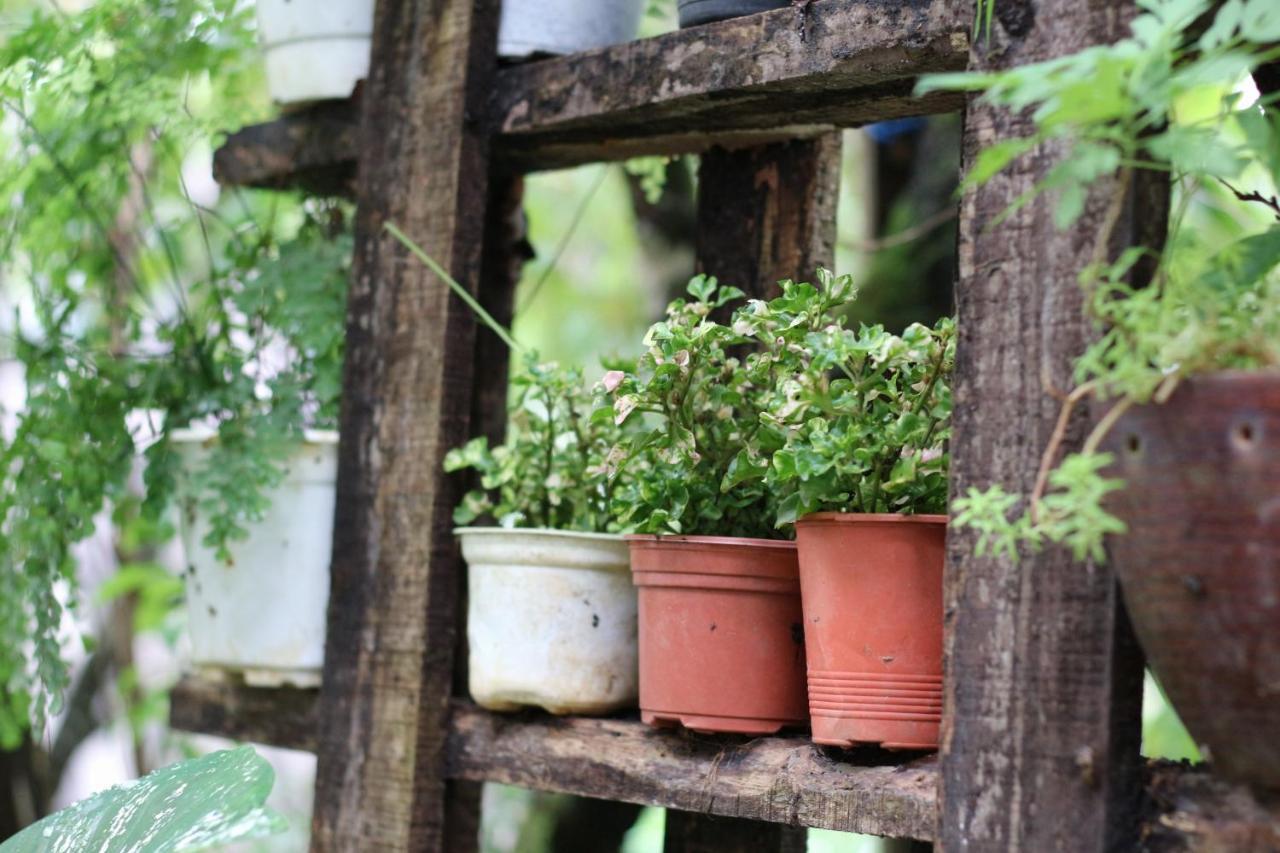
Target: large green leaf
(192,805)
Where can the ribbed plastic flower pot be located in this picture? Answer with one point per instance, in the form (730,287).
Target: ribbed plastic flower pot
(315,49)
(531,27)
(721,639)
(261,615)
(872,589)
(695,12)
(1200,563)
(551,620)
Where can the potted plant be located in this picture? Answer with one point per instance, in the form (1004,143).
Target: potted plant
(1180,469)
(315,50)
(697,12)
(865,417)
(551,613)
(721,638)
(534,27)
(252,464)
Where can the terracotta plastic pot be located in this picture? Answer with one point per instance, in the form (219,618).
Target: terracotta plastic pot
(721,638)
(872,588)
(551,620)
(695,12)
(1200,563)
(261,615)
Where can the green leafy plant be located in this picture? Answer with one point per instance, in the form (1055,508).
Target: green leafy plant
(148,309)
(863,417)
(1169,98)
(698,409)
(551,472)
(196,804)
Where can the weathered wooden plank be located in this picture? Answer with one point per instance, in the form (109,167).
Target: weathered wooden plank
(313,150)
(287,717)
(1043,677)
(808,67)
(768,213)
(407,394)
(782,779)
(696,833)
(793,73)
(1187,810)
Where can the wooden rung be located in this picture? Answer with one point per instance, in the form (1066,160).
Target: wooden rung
(795,71)
(286,716)
(792,73)
(779,779)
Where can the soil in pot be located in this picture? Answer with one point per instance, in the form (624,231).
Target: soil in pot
(872,590)
(721,638)
(261,615)
(695,12)
(546,27)
(551,620)
(1200,564)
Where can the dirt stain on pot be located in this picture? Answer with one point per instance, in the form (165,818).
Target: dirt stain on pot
(595,620)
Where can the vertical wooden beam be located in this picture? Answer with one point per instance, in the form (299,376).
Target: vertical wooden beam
(764,214)
(694,833)
(407,398)
(1043,677)
(768,213)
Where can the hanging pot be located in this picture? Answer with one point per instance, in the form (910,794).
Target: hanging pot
(551,620)
(1200,563)
(261,615)
(721,640)
(531,27)
(872,588)
(696,12)
(315,49)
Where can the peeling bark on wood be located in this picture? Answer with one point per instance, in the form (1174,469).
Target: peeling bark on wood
(1043,676)
(768,213)
(287,717)
(407,398)
(782,779)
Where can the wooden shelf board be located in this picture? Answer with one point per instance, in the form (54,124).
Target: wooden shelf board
(286,717)
(793,72)
(780,779)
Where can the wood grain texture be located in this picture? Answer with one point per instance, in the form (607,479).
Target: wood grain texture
(741,83)
(1043,676)
(686,832)
(782,779)
(287,717)
(407,398)
(768,213)
(807,67)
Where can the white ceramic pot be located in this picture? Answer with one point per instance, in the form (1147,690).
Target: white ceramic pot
(315,49)
(261,616)
(565,26)
(551,620)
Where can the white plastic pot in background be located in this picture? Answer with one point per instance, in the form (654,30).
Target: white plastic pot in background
(551,620)
(261,616)
(565,26)
(315,49)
